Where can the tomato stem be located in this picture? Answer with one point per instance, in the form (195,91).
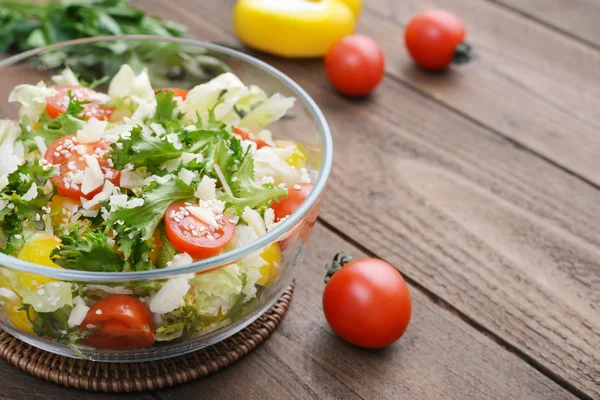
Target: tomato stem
(339,260)
(463,54)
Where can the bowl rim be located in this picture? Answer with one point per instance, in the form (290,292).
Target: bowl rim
(223,258)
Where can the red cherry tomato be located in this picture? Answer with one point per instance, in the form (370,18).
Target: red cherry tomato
(355,65)
(288,204)
(123,322)
(432,38)
(58,104)
(67,154)
(246,136)
(193,236)
(176,92)
(367,303)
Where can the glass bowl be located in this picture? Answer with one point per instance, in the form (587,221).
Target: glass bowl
(172,62)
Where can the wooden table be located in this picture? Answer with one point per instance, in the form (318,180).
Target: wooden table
(481,185)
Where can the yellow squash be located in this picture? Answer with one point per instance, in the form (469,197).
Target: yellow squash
(294,28)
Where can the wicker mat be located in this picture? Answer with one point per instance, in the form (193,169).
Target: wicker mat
(130,377)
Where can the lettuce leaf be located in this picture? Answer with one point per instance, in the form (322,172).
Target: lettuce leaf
(87,251)
(141,149)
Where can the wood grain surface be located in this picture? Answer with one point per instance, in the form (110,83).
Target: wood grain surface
(439,357)
(479,184)
(506,238)
(528,83)
(575,18)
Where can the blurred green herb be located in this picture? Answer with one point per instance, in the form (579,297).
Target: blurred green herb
(25,26)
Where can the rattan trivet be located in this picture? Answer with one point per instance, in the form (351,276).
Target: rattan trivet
(130,377)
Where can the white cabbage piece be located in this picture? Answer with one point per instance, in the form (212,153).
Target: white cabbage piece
(170,296)
(270,162)
(9,159)
(78,313)
(203,97)
(32,99)
(217,290)
(267,112)
(66,77)
(129,88)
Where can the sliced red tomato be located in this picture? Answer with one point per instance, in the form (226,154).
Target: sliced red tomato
(191,235)
(248,136)
(288,204)
(121,321)
(96,107)
(67,148)
(177,92)
(68,155)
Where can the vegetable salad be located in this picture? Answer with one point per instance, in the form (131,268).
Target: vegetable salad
(135,179)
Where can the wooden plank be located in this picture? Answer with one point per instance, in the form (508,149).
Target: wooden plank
(440,356)
(528,83)
(502,236)
(18,385)
(578,18)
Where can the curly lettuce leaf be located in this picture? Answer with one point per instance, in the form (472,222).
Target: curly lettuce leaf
(141,149)
(245,192)
(87,251)
(136,225)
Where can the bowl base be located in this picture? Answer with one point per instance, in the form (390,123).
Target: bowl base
(141,376)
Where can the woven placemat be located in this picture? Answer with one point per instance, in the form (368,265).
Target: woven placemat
(130,377)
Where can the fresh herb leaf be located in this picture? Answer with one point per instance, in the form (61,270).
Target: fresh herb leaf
(165,106)
(54,324)
(143,150)
(245,191)
(135,226)
(167,251)
(87,251)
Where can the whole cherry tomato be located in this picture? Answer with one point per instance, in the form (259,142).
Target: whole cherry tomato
(191,235)
(121,321)
(355,65)
(434,39)
(366,302)
(96,107)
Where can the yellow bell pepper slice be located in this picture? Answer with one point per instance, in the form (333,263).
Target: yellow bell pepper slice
(293,28)
(268,272)
(37,251)
(298,158)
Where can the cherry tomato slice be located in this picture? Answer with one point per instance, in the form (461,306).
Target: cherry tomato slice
(58,104)
(193,236)
(247,136)
(123,322)
(288,204)
(67,188)
(67,148)
(68,154)
(176,92)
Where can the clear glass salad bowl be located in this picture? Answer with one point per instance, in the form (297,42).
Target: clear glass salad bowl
(184,63)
